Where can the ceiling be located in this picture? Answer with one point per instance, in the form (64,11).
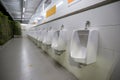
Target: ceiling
(21,10)
(2,9)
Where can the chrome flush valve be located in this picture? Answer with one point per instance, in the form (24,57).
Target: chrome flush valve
(87,24)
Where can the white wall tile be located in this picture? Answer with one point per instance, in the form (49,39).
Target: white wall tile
(107,20)
(110,38)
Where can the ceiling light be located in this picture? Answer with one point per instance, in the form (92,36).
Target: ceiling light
(23,15)
(43,7)
(23,10)
(39,18)
(25,0)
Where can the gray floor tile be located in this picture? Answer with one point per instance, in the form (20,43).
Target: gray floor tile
(22,60)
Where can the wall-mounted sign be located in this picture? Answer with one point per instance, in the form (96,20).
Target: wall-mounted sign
(71,2)
(51,11)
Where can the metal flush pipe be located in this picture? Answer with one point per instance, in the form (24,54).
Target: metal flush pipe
(87,24)
(62,27)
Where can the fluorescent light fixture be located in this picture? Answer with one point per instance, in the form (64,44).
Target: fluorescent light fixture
(43,7)
(23,15)
(23,10)
(59,4)
(39,18)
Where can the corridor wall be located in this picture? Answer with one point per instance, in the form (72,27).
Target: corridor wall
(106,21)
(8,29)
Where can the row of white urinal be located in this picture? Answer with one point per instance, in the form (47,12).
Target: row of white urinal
(83,43)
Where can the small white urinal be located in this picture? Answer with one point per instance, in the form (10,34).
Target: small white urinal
(83,47)
(45,37)
(48,38)
(41,37)
(55,39)
(59,42)
(38,39)
(36,35)
(39,34)
(62,41)
(33,34)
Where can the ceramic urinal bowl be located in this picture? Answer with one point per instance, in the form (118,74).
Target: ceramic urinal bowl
(48,37)
(83,47)
(36,35)
(39,33)
(55,39)
(45,34)
(42,34)
(62,41)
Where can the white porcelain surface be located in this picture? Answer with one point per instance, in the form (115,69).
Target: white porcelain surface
(83,48)
(48,37)
(41,37)
(61,42)
(45,34)
(55,39)
(39,32)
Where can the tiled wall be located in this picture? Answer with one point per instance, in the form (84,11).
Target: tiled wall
(106,20)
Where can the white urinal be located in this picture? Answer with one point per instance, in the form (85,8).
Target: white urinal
(34,34)
(39,33)
(45,37)
(48,38)
(62,41)
(83,47)
(55,39)
(41,37)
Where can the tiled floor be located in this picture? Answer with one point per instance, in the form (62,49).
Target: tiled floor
(22,60)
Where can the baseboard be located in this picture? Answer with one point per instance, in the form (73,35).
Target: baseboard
(3,46)
(17,36)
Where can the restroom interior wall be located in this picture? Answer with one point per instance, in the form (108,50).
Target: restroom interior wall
(106,20)
(66,8)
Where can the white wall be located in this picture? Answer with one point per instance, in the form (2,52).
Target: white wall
(107,20)
(25,28)
(66,8)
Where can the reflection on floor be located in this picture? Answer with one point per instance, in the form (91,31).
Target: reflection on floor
(22,60)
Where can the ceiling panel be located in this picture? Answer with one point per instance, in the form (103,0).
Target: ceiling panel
(10,0)
(31,5)
(15,8)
